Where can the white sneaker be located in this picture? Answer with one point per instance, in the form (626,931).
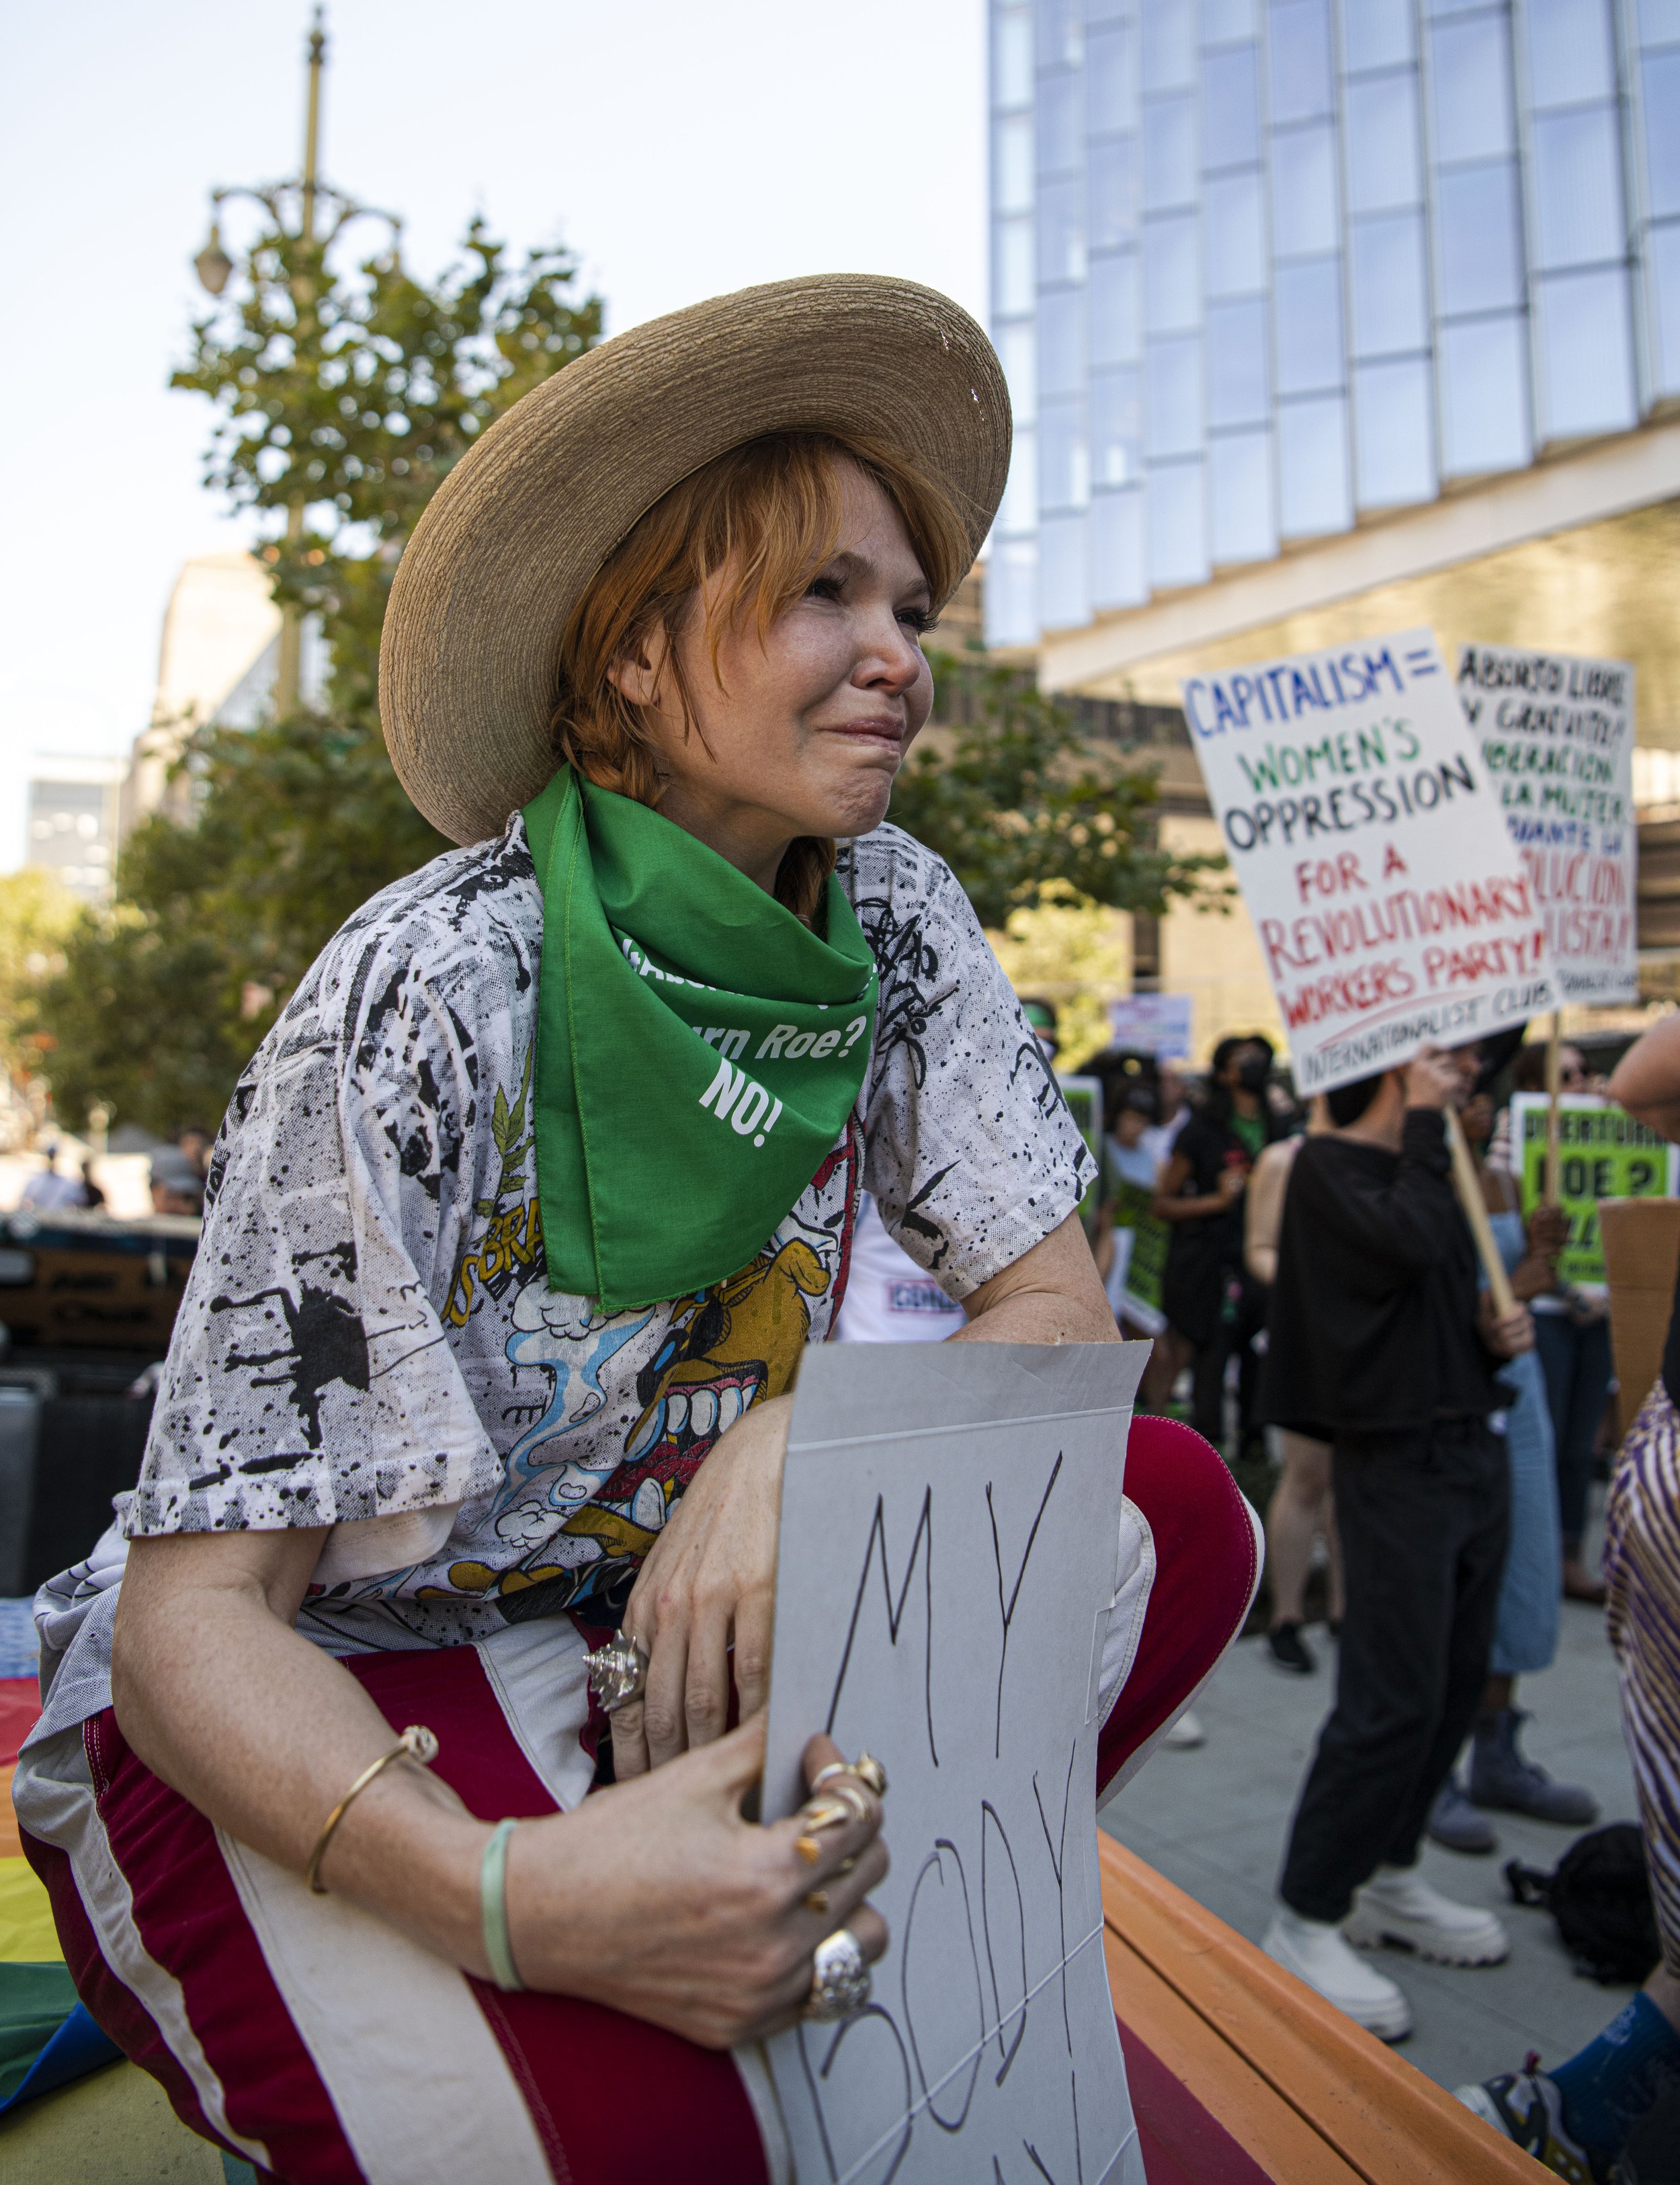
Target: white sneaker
(1187,1733)
(1316,1952)
(1397,1906)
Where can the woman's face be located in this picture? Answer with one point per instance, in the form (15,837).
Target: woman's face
(811,725)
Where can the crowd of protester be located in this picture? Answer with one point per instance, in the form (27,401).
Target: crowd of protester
(1322,1289)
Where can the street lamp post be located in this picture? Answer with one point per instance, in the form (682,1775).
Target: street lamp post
(214,268)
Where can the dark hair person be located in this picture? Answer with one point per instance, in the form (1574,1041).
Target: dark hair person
(1209,1295)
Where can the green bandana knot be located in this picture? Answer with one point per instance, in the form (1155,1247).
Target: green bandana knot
(698,1049)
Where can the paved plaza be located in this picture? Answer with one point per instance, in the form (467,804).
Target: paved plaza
(1214,1820)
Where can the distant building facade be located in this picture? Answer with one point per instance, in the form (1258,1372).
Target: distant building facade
(217,664)
(1267,271)
(73,823)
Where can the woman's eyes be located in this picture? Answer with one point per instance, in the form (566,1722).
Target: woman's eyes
(919,619)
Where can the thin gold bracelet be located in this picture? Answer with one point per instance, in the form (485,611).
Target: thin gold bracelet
(415,1743)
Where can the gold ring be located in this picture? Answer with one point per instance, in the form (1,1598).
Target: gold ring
(816,1900)
(834,1767)
(869,1770)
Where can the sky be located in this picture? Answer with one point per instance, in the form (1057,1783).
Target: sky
(681,151)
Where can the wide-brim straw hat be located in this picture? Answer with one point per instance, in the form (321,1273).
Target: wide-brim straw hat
(468,663)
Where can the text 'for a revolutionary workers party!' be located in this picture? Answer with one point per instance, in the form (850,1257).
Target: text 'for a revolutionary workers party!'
(1393,910)
(1557,739)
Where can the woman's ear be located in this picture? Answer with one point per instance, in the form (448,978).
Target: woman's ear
(637,671)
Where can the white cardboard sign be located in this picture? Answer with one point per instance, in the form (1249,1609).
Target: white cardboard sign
(950,1536)
(1556,735)
(1393,909)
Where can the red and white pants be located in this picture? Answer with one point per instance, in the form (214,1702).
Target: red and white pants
(324,2048)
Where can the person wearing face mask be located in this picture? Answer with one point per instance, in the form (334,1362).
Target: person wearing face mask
(1209,1298)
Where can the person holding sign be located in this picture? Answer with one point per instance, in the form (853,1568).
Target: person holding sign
(1380,1344)
(1583,2117)
(1571,1317)
(519,1225)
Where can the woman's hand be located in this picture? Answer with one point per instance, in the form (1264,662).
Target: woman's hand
(656,1897)
(709,1578)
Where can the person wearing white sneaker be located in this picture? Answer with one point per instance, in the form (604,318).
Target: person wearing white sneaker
(1317,1951)
(1378,1344)
(1397,1906)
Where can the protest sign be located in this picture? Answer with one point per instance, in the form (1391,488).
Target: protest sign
(1391,907)
(1152,1024)
(1084,1096)
(950,1548)
(1136,1286)
(1557,739)
(1604,1154)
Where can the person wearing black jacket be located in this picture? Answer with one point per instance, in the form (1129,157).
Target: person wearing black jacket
(1208,1297)
(1381,1344)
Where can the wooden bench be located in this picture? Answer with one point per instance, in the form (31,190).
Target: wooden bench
(1241,2076)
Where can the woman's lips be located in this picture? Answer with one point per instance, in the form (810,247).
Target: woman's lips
(888,735)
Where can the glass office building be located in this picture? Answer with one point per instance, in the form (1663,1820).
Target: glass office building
(1262,269)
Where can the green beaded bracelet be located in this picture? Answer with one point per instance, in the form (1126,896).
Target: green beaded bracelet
(493,1905)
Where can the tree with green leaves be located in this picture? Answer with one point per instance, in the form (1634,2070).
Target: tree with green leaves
(1014,796)
(349,396)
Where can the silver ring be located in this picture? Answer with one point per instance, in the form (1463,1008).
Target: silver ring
(619,1673)
(839,1979)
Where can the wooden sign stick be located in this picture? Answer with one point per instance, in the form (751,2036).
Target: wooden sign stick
(1553,1086)
(1468,1185)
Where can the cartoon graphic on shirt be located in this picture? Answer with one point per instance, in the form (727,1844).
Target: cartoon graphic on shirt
(585,1521)
(512,1243)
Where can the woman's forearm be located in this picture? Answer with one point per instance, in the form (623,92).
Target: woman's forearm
(1167,1209)
(1051,1295)
(264,1733)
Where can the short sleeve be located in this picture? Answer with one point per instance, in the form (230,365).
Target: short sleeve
(969,1149)
(309,1381)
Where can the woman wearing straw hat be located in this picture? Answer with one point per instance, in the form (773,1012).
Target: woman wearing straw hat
(517,1225)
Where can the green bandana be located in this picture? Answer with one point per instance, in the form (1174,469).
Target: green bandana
(698,1049)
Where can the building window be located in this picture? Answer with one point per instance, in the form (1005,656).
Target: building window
(1177,525)
(1172,379)
(1383,170)
(1389,285)
(1478,240)
(1308,323)
(1300,59)
(1484,396)
(1240,491)
(1583,334)
(1231,109)
(1116,323)
(1393,433)
(1117,575)
(1312,461)
(1235,236)
(1238,389)
(1172,282)
(1304,190)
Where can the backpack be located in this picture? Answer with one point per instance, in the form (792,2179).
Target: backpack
(1599,1893)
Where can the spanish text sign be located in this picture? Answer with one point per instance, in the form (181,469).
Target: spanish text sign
(1392,908)
(1557,739)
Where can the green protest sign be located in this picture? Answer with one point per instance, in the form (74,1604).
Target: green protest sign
(1146,1267)
(1603,1154)
(1084,1096)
